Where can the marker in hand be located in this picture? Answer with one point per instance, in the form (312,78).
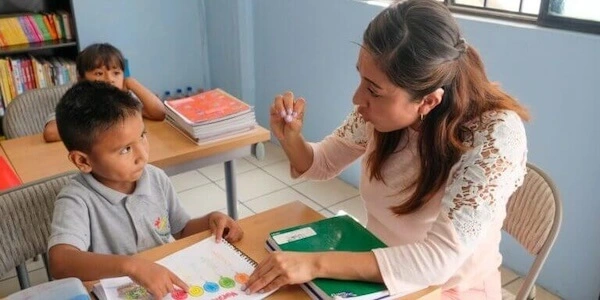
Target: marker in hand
(289,116)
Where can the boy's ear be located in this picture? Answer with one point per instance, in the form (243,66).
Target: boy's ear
(81,161)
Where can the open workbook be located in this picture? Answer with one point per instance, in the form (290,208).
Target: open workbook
(211,270)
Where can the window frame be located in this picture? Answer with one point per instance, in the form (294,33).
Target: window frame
(544,18)
(549,20)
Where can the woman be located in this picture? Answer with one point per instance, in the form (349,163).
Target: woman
(443,149)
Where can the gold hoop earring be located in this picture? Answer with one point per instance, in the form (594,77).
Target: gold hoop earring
(422,116)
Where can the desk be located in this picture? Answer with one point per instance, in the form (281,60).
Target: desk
(34,159)
(256,229)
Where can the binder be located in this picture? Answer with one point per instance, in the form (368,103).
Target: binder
(339,233)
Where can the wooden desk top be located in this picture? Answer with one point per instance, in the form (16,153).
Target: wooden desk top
(256,229)
(34,159)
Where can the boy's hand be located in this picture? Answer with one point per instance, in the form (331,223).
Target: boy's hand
(224,226)
(156,279)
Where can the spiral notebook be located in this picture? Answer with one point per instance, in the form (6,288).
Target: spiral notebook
(211,270)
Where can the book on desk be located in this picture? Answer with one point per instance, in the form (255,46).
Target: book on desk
(210,115)
(211,270)
(339,233)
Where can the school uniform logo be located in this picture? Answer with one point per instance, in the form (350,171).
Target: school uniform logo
(162,228)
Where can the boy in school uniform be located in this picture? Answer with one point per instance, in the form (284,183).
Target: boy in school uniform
(118,205)
(104,62)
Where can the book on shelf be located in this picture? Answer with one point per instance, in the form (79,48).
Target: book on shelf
(211,270)
(30,28)
(210,115)
(22,73)
(339,233)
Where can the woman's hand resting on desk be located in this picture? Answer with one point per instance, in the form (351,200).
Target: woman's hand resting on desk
(156,279)
(282,268)
(287,115)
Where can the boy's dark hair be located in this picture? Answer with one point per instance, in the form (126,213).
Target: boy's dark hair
(89,108)
(98,55)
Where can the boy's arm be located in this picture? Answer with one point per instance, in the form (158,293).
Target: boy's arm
(220,224)
(68,261)
(193,226)
(51,132)
(153,107)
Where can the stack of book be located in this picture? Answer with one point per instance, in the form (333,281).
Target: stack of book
(339,233)
(210,116)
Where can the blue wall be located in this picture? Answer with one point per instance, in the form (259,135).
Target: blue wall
(307,46)
(230,32)
(163,40)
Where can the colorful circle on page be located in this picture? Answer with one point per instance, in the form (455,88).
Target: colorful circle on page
(211,287)
(179,295)
(195,291)
(226,282)
(241,278)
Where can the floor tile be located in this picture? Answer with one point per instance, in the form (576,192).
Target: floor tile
(254,184)
(507,295)
(541,293)
(10,286)
(202,200)
(354,207)
(326,213)
(281,171)
(278,198)
(31,266)
(507,275)
(217,171)
(326,193)
(243,211)
(273,154)
(188,180)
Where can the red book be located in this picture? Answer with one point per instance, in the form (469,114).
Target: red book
(207,107)
(8,177)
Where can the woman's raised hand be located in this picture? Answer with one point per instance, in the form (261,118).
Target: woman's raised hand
(287,115)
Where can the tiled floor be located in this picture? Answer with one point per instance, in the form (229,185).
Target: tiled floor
(261,185)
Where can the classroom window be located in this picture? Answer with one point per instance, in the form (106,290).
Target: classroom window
(577,15)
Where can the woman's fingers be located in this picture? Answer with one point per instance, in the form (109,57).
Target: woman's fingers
(288,103)
(279,106)
(298,112)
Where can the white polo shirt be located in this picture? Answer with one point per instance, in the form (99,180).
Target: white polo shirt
(92,217)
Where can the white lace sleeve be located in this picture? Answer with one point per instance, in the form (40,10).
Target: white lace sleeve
(476,191)
(354,129)
(487,175)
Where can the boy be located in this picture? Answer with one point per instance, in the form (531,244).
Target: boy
(118,205)
(104,62)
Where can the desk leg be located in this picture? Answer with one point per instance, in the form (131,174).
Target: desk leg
(230,189)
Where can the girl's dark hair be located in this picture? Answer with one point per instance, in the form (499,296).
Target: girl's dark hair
(419,46)
(98,55)
(89,108)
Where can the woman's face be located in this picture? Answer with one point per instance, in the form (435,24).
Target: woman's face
(380,102)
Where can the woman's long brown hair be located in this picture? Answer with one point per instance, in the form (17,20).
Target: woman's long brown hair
(418,44)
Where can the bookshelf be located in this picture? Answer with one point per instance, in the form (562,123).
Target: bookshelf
(38,46)
(61,47)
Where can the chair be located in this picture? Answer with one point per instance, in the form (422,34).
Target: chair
(26,114)
(533,218)
(25,217)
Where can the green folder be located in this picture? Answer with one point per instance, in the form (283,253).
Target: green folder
(339,233)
